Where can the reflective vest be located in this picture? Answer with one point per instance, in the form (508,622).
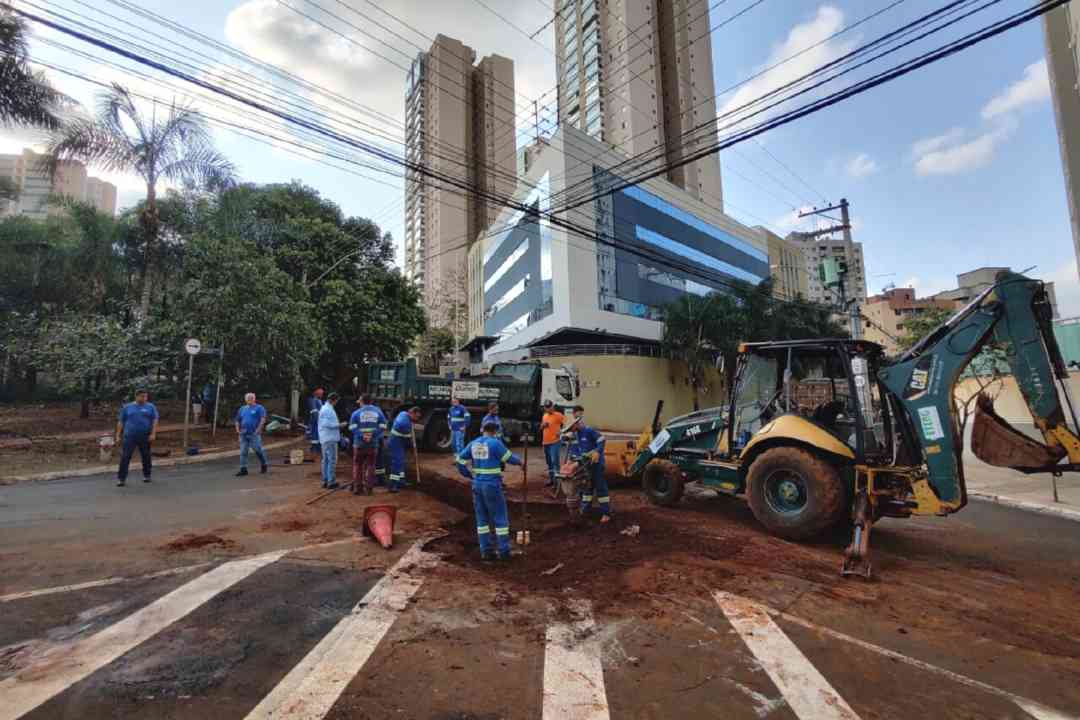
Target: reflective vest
(487,455)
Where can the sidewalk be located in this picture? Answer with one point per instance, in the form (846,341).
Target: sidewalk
(1030,492)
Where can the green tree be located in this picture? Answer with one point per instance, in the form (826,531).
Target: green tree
(918,326)
(26,98)
(700,331)
(176,147)
(234,294)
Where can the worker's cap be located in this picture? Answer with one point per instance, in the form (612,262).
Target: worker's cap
(332,396)
(548,403)
(141,391)
(491,427)
(415,411)
(579,408)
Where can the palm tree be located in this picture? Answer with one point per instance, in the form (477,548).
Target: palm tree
(699,331)
(176,147)
(26,98)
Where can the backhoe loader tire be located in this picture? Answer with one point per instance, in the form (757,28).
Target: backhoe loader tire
(662,482)
(794,493)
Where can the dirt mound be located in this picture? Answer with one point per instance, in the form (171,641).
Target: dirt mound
(288,525)
(191,541)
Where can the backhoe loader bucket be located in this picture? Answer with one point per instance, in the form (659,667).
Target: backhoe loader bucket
(996,442)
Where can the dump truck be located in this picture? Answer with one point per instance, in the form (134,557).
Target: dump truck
(520,388)
(823,432)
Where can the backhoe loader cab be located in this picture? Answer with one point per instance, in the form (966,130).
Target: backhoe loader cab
(818,432)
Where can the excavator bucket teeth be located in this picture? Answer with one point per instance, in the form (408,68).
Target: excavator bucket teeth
(995,442)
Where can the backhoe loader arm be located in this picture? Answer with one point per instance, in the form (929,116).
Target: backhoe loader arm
(1016,313)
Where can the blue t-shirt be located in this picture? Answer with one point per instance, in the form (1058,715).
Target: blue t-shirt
(487,454)
(493,419)
(459,417)
(402,428)
(587,440)
(367,420)
(249,417)
(138,420)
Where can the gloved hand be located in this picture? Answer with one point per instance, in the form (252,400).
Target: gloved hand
(594,456)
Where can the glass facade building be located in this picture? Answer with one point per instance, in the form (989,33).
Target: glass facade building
(661,251)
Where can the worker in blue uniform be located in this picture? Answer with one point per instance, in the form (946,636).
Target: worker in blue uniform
(459,425)
(368,423)
(493,417)
(401,434)
(588,447)
(488,455)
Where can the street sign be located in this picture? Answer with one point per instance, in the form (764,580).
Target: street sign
(192,346)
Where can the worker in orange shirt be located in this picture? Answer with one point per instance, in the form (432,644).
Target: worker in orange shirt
(551,426)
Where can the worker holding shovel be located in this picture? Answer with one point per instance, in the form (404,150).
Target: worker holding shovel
(488,454)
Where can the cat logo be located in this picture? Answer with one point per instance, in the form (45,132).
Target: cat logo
(694,431)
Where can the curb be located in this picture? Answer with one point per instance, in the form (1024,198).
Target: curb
(1041,508)
(166,462)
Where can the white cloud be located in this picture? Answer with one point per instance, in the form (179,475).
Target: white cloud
(1033,88)
(946,155)
(927,286)
(827,21)
(861,166)
(790,221)
(933,144)
(1066,288)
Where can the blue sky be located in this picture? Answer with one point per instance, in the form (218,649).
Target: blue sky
(953,167)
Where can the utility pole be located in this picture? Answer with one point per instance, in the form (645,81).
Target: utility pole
(851,307)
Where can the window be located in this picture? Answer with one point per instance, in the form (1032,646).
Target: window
(564,388)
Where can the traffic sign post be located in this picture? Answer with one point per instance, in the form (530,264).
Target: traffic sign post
(192,347)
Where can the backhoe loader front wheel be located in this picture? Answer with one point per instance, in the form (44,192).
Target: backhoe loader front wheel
(662,482)
(794,493)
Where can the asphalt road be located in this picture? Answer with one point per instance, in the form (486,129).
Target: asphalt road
(973,616)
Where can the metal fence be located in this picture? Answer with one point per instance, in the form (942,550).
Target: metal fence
(547,351)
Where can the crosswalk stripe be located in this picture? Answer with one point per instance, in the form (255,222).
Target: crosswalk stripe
(573,670)
(64,666)
(807,692)
(101,583)
(311,688)
(1031,707)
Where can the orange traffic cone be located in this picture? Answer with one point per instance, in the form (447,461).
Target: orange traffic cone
(379,523)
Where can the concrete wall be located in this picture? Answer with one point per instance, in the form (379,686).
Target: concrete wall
(620,392)
(1010,405)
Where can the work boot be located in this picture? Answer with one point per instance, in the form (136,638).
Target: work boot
(242,473)
(504,557)
(332,486)
(120,482)
(264,469)
(146,479)
(488,556)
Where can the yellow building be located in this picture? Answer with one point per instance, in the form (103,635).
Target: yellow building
(886,313)
(786,266)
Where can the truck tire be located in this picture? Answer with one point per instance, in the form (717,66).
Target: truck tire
(794,493)
(437,436)
(662,482)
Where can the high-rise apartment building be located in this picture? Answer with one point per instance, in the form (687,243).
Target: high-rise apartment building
(27,172)
(1061,27)
(637,75)
(459,123)
(815,250)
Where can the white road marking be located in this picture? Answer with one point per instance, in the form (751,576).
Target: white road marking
(150,576)
(101,583)
(573,670)
(311,688)
(1033,708)
(807,692)
(66,665)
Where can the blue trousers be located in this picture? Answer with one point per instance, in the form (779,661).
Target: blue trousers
(252,441)
(491,516)
(457,438)
(128,449)
(329,463)
(598,492)
(551,455)
(397,463)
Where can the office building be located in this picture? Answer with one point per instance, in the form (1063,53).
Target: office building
(1061,27)
(637,75)
(973,282)
(459,120)
(815,250)
(886,314)
(787,266)
(27,172)
(536,285)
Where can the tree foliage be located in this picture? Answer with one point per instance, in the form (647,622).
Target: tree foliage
(26,97)
(705,331)
(918,326)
